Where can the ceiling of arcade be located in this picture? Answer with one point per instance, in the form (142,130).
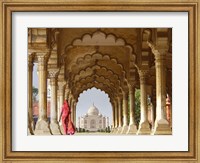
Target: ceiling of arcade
(106,58)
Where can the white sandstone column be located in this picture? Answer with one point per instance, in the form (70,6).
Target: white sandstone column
(125,112)
(72,110)
(75,113)
(161,124)
(144,127)
(61,88)
(30,97)
(113,117)
(116,116)
(132,127)
(42,125)
(53,74)
(119,100)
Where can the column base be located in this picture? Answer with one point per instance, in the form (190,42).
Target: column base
(31,128)
(124,129)
(115,130)
(119,130)
(162,127)
(30,132)
(112,130)
(144,128)
(42,128)
(55,128)
(132,129)
(62,130)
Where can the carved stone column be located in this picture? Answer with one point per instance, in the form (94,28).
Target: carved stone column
(144,127)
(72,110)
(42,125)
(161,124)
(30,93)
(132,127)
(53,74)
(61,88)
(75,113)
(125,112)
(119,100)
(116,116)
(113,119)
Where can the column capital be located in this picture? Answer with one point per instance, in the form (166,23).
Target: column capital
(31,57)
(159,53)
(119,98)
(53,73)
(131,85)
(143,75)
(61,84)
(125,94)
(42,57)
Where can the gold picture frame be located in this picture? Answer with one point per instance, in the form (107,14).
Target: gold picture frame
(9,6)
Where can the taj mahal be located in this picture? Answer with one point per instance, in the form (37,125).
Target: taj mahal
(93,120)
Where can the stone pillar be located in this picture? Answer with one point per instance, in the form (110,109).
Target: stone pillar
(125,112)
(119,100)
(72,110)
(42,125)
(75,113)
(61,88)
(116,116)
(144,127)
(132,127)
(113,117)
(161,124)
(58,105)
(30,94)
(53,74)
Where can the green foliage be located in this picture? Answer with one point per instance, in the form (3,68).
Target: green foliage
(35,93)
(137,106)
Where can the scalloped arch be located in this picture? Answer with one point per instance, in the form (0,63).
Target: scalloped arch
(96,55)
(89,88)
(112,86)
(98,76)
(90,69)
(91,85)
(99,38)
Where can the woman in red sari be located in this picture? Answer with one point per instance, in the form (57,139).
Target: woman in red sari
(68,126)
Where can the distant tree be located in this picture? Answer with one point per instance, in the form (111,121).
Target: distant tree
(35,93)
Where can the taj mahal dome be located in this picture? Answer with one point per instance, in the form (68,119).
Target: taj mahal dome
(93,120)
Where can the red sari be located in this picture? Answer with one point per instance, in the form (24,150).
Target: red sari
(66,119)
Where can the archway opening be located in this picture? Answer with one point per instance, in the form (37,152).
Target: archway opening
(94,104)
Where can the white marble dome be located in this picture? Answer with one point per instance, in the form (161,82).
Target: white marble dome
(93,110)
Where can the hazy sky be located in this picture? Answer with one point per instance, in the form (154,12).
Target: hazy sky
(86,99)
(100,100)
